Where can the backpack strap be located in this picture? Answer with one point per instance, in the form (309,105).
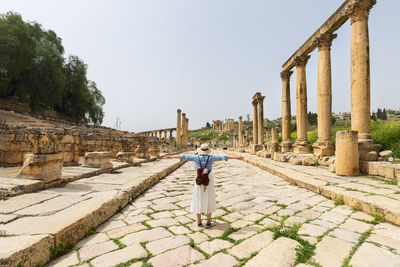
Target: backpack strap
(208,157)
(201,167)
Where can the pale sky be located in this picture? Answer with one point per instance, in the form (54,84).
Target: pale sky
(209,57)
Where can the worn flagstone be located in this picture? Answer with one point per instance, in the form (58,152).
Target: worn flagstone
(250,202)
(132,252)
(251,245)
(332,251)
(158,246)
(212,246)
(219,260)
(180,256)
(280,253)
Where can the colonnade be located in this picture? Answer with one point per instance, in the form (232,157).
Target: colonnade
(358,12)
(161,134)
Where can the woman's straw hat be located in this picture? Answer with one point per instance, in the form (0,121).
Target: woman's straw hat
(204,150)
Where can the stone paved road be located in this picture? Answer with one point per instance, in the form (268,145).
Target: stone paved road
(156,228)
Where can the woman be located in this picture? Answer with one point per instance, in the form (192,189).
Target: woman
(203,200)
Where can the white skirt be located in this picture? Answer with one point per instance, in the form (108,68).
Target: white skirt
(203,201)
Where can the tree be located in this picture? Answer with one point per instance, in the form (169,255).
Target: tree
(379,113)
(333,120)
(208,125)
(312,118)
(33,70)
(384,115)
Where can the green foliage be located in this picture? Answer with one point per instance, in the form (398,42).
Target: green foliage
(33,70)
(387,134)
(384,133)
(60,250)
(207,134)
(361,239)
(312,118)
(118,243)
(91,231)
(381,114)
(339,201)
(303,253)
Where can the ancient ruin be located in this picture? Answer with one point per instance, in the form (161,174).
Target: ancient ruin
(357,12)
(73,194)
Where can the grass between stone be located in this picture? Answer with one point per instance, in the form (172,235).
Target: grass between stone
(386,181)
(305,251)
(60,250)
(149,227)
(338,201)
(90,231)
(118,243)
(363,237)
(225,235)
(244,261)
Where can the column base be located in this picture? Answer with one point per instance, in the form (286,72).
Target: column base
(255,148)
(301,147)
(45,167)
(286,146)
(141,152)
(125,156)
(323,148)
(273,147)
(365,146)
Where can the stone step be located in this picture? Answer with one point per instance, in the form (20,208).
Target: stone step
(385,203)
(62,216)
(11,186)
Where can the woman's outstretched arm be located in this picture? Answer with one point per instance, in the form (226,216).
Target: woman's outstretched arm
(171,157)
(182,157)
(239,158)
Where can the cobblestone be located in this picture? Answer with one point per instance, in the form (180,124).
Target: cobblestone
(248,210)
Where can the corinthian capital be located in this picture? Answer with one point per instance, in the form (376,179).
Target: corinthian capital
(360,10)
(301,61)
(324,41)
(285,75)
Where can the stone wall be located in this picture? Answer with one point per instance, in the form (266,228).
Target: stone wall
(76,142)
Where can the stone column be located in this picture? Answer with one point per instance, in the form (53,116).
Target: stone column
(274,144)
(255,120)
(260,126)
(324,144)
(178,128)
(267,136)
(347,157)
(187,131)
(240,131)
(360,76)
(170,135)
(160,134)
(286,145)
(301,145)
(184,130)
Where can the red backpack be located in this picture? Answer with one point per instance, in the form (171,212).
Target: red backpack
(202,175)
